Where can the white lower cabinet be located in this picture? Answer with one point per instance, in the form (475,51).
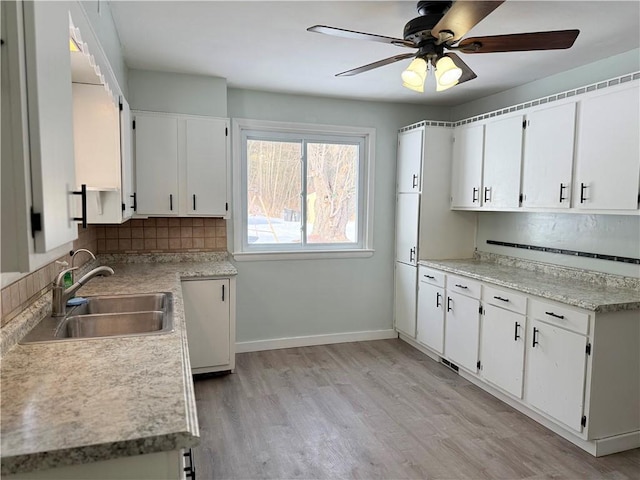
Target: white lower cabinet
(431,300)
(210,317)
(462,330)
(405,299)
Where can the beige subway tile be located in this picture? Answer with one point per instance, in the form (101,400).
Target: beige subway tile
(221,222)
(6,301)
(162,232)
(22,290)
(149,243)
(174,222)
(210,243)
(162,222)
(162,243)
(101,245)
(174,232)
(110,232)
(198,242)
(137,232)
(186,242)
(221,243)
(124,232)
(150,232)
(31,285)
(136,223)
(137,244)
(198,232)
(186,232)
(209,232)
(186,222)
(174,243)
(15,296)
(221,232)
(112,245)
(209,222)
(124,244)
(149,222)
(198,222)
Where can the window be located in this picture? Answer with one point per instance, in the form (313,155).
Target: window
(302,190)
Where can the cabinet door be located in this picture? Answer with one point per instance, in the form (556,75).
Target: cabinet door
(206,147)
(50,117)
(430,329)
(608,151)
(409,160)
(127,161)
(548,157)
(556,362)
(466,176)
(405,298)
(156,140)
(502,163)
(462,330)
(502,352)
(206,309)
(407,218)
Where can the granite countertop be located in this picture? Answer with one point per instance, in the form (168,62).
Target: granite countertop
(73,402)
(584,289)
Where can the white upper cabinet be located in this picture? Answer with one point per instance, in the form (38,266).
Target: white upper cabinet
(548,157)
(502,163)
(156,143)
(608,153)
(206,167)
(50,121)
(407,215)
(126,154)
(181,165)
(409,160)
(468,148)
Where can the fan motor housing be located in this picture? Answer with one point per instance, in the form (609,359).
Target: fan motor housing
(431,12)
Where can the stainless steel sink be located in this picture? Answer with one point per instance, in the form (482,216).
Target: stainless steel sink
(108,317)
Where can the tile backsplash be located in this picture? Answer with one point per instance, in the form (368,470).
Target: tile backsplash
(151,235)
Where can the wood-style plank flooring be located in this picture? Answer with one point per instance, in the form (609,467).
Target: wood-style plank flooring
(374,410)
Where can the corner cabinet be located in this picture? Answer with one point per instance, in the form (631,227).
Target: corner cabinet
(181,164)
(209,308)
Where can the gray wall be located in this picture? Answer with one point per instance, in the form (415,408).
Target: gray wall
(177,93)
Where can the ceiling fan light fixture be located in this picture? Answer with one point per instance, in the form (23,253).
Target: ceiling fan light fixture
(447,73)
(415,75)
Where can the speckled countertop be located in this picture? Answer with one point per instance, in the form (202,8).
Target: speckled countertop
(593,291)
(75,402)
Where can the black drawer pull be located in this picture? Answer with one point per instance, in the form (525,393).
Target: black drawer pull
(438,304)
(500,298)
(461,286)
(430,277)
(449,304)
(562,197)
(414,183)
(474,199)
(194,202)
(583,187)
(135,202)
(171,201)
(551,314)
(486,191)
(515,335)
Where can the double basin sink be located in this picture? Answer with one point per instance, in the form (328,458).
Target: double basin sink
(108,316)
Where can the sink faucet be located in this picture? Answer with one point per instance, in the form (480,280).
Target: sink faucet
(73,257)
(60,295)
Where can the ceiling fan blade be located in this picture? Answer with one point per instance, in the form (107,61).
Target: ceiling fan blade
(371,66)
(341,32)
(519,42)
(467,73)
(463,16)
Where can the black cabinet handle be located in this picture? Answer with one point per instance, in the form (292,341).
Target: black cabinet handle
(562,197)
(431,277)
(486,191)
(135,202)
(515,335)
(535,337)
(474,199)
(438,304)
(461,286)
(412,254)
(551,314)
(194,202)
(83,193)
(500,298)
(223,293)
(449,304)
(583,187)
(414,182)
(171,202)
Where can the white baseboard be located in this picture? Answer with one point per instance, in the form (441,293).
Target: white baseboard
(307,341)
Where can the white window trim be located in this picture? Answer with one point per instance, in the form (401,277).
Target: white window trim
(369,134)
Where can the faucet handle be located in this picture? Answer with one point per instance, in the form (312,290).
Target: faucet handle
(58,281)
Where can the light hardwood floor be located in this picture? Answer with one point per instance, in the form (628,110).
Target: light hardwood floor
(372,410)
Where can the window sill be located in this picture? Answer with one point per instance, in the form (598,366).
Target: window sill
(306,255)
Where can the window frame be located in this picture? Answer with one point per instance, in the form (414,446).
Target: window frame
(305,133)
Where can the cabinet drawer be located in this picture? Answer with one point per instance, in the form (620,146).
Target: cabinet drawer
(505,299)
(428,275)
(465,286)
(560,316)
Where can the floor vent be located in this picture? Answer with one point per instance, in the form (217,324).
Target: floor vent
(447,363)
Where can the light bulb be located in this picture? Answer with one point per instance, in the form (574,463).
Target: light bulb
(447,73)
(415,74)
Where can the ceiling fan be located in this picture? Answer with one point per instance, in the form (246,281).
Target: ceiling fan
(441,26)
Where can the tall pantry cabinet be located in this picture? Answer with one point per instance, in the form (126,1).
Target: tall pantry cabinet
(426,228)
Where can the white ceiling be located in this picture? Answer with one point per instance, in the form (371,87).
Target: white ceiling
(264,45)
